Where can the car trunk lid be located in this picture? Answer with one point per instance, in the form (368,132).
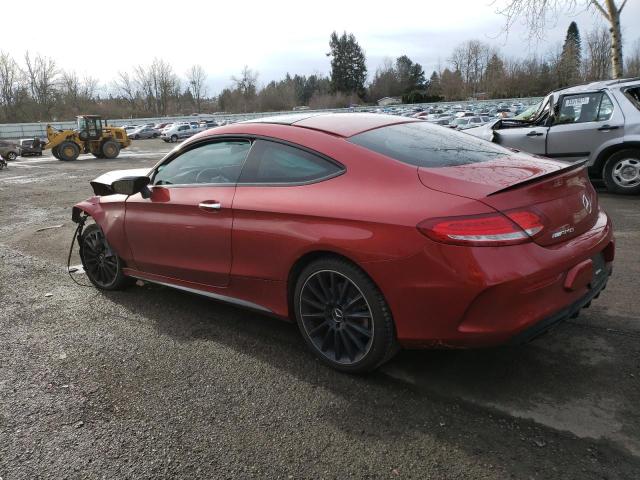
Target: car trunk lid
(559,193)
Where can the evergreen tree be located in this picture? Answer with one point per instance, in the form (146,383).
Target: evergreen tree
(494,76)
(434,84)
(571,57)
(410,75)
(348,68)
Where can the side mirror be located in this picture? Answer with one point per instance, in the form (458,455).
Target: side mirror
(131,186)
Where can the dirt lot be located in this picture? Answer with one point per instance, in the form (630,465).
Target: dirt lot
(156,383)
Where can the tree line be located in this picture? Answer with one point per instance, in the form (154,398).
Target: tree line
(34,88)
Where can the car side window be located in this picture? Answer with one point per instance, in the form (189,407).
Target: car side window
(633,94)
(272,162)
(584,107)
(219,162)
(606,108)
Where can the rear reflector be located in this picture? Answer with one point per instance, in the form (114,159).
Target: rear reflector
(484,230)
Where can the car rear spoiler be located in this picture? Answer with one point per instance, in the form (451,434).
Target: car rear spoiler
(569,167)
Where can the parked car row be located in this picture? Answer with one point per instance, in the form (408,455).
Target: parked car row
(170,131)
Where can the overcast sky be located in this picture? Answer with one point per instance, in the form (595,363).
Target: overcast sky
(273,37)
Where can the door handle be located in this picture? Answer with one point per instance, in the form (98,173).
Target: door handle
(212,206)
(534,134)
(606,128)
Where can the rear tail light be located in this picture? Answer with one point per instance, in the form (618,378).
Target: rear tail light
(508,228)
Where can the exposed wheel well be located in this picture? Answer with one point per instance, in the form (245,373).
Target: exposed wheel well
(595,171)
(305,260)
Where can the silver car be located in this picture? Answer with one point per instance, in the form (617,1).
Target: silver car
(9,150)
(598,123)
(143,132)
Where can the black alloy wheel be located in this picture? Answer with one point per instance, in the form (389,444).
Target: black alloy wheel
(343,316)
(101,263)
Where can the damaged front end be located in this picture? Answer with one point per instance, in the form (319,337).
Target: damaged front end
(104,184)
(116,182)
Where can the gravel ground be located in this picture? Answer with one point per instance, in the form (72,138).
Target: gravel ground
(156,383)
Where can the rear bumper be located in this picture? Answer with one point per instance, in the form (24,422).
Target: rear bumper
(570,311)
(465,297)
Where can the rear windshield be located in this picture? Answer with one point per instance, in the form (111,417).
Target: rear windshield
(427,145)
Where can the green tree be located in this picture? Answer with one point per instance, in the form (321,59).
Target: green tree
(348,68)
(571,57)
(434,85)
(410,75)
(494,77)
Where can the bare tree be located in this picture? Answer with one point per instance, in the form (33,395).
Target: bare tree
(246,85)
(537,12)
(144,81)
(633,60)
(598,57)
(471,59)
(42,76)
(126,88)
(11,79)
(197,77)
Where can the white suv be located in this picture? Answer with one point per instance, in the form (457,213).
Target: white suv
(178,131)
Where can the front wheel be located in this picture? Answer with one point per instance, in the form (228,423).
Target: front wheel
(110,149)
(621,172)
(343,316)
(101,263)
(174,138)
(12,156)
(68,151)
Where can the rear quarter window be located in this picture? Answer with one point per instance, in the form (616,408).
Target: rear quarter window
(426,145)
(633,94)
(276,163)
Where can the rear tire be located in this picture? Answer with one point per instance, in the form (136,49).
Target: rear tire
(343,316)
(68,151)
(101,263)
(110,149)
(621,172)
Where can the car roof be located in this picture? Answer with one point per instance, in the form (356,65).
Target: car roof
(342,124)
(623,82)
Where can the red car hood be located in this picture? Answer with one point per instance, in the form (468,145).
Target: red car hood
(477,180)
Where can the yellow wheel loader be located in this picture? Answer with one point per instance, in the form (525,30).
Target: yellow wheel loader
(91,136)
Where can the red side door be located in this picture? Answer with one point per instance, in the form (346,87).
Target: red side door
(183,230)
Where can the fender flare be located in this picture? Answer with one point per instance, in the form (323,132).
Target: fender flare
(90,207)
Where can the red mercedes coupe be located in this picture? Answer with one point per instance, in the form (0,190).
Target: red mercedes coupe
(372,232)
